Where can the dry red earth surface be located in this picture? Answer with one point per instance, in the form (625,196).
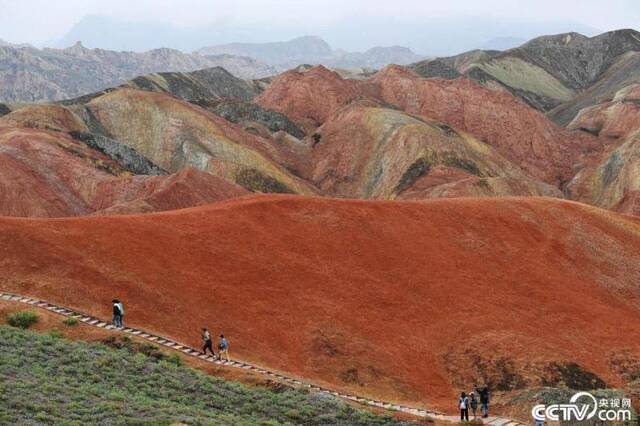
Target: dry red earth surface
(406,301)
(518,132)
(49,174)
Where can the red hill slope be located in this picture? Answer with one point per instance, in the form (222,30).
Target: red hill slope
(518,132)
(49,174)
(309,97)
(401,300)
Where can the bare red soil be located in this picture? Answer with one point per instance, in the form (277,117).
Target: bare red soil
(49,174)
(518,132)
(405,301)
(629,204)
(309,97)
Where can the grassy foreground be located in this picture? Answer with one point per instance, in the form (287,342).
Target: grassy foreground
(49,380)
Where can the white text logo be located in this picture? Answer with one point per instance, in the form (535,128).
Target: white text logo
(588,408)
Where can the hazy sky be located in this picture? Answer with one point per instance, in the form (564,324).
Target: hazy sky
(41,21)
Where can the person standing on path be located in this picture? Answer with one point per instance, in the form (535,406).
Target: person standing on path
(473,401)
(117,313)
(223,348)
(121,306)
(464,407)
(484,401)
(208,344)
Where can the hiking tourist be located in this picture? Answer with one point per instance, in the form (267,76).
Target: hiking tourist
(121,307)
(464,407)
(117,313)
(484,401)
(223,348)
(206,338)
(473,401)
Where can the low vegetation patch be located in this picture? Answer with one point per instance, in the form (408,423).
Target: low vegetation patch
(22,319)
(70,322)
(46,380)
(571,375)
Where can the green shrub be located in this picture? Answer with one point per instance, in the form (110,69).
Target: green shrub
(175,359)
(119,384)
(70,321)
(23,319)
(55,333)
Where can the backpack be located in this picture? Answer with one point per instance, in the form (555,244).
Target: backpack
(120,307)
(463,402)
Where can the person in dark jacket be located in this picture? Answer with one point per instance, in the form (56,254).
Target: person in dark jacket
(484,401)
(473,402)
(117,313)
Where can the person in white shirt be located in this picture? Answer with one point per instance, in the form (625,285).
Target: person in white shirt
(118,312)
(208,344)
(464,407)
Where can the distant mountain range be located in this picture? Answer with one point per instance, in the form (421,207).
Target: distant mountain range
(314,50)
(28,74)
(481,127)
(6,43)
(437,36)
(557,74)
